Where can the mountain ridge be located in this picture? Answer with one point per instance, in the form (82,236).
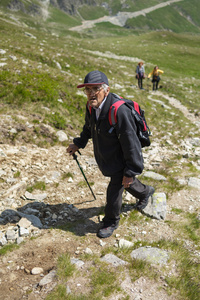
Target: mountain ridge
(172,15)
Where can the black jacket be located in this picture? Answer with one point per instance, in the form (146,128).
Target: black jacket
(115,151)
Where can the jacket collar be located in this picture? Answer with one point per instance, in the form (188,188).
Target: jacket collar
(106,106)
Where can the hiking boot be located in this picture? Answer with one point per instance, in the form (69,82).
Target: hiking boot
(143,202)
(106,230)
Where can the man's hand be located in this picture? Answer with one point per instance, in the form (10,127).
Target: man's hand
(127,181)
(72,148)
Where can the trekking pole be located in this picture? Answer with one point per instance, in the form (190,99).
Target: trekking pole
(75,157)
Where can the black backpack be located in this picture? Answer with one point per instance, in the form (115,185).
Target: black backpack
(143,131)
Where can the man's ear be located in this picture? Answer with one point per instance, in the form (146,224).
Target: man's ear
(107,92)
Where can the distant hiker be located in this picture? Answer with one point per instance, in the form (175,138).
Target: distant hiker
(117,152)
(155,77)
(140,74)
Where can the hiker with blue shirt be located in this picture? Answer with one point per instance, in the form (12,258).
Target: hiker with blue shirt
(140,74)
(117,152)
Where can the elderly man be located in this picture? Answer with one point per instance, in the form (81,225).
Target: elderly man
(117,152)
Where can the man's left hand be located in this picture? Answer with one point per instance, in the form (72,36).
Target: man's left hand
(127,181)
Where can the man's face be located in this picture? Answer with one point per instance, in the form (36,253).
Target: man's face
(95,94)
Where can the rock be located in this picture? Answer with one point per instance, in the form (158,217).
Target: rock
(113,260)
(2,51)
(195,141)
(23,149)
(24,223)
(23,231)
(61,136)
(58,65)
(154,175)
(31,211)
(55,175)
(48,278)
(11,234)
(157,206)
(13,57)
(36,197)
(19,240)
(3,64)
(2,172)
(194,182)
(152,255)
(33,219)
(29,35)
(88,251)
(16,189)
(125,244)
(3,240)
(79,263)
(13,131)
(36,271)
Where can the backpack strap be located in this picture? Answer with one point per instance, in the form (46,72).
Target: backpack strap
(112,115)
(137,108)
(89,107)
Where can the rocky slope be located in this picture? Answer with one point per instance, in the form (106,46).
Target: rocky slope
(30,271)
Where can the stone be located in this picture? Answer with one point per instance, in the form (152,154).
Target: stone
(23,231)
(16,189)
(152,255)
(61,136)
(36,271)
(157,206)
(11,234)
(125,244)
(23,149)
(48,278)
(88,251)
(3,240)
(33,219)
(113,260)
(75,261)
(194,182)
(2,51)
(19,240)
(36,197)
(24,223)
(154,175)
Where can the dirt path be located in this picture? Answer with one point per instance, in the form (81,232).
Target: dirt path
(176,103)
(121,18)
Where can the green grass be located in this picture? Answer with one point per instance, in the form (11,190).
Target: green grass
(64,267)
(8,248)
(16,174)
(58,17)
(167,19)
(91,12)
(39,185)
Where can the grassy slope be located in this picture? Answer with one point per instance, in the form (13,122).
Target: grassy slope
(168,18)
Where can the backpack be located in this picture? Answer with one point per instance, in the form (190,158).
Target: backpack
(143,131)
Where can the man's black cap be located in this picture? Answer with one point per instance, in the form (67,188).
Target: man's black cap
(94,78)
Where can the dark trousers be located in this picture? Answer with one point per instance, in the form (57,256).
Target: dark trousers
(140,82)
(155,85)
(155,81)
(114,197)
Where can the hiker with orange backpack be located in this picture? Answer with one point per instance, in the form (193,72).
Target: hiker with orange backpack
(155,74)
(117,148)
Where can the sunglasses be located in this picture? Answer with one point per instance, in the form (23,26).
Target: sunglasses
(94,90)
